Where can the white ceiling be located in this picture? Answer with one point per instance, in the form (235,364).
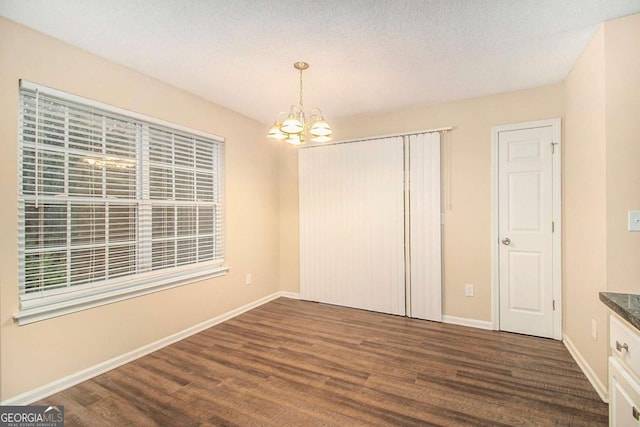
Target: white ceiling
(365,55)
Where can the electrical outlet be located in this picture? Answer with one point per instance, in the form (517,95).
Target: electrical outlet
(248,279)
(468,290)
(634,220)
(594,329)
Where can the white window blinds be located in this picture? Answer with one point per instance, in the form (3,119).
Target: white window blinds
(184,192)
(110,200)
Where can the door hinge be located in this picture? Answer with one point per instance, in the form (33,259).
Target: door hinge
(553,147)
(553,226)
(554,305)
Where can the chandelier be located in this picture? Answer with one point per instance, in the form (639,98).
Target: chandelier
(296,128)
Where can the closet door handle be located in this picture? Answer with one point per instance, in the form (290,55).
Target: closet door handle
(635,413)
(506,241)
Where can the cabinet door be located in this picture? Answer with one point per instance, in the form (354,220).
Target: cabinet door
(624,397)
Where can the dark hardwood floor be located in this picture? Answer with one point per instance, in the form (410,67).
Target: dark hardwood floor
(296,363)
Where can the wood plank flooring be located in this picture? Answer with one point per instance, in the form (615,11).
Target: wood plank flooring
(297,363)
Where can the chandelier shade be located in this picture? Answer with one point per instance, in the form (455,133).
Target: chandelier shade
(294,139)
(292,125)
(296,128)
(320,128)
(321,138)
(276,133)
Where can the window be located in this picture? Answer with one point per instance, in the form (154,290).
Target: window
(112,204)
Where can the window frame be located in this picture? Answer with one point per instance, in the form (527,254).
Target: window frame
(47,303)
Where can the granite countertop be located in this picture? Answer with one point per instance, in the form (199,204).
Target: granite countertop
(626,306)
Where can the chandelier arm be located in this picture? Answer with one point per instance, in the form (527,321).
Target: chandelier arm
(303,120)
(317,116)
(278,121)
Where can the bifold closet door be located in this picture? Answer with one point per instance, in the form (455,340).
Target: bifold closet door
(352,225)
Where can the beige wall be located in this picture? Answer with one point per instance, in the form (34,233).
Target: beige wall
(602,183)
(622,70)
(584,210)
(466,184)
(36,354)
(289,243)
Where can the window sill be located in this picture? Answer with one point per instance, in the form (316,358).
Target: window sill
(36,310)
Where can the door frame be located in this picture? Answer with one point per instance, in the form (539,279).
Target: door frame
(557,219)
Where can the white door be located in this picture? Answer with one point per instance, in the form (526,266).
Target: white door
(526,226)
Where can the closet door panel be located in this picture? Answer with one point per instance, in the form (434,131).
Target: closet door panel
(352,225)
(425,226)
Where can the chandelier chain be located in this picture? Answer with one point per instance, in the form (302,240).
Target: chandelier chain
(301,106)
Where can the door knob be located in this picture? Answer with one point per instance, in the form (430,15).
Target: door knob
(506,241)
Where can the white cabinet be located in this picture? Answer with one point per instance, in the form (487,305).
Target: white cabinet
(624,370)
(624,396)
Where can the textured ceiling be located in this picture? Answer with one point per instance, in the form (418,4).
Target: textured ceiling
(365,55)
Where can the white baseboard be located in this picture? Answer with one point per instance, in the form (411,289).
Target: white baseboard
(287,294)
(86,374)
(600,388)
(473,323)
